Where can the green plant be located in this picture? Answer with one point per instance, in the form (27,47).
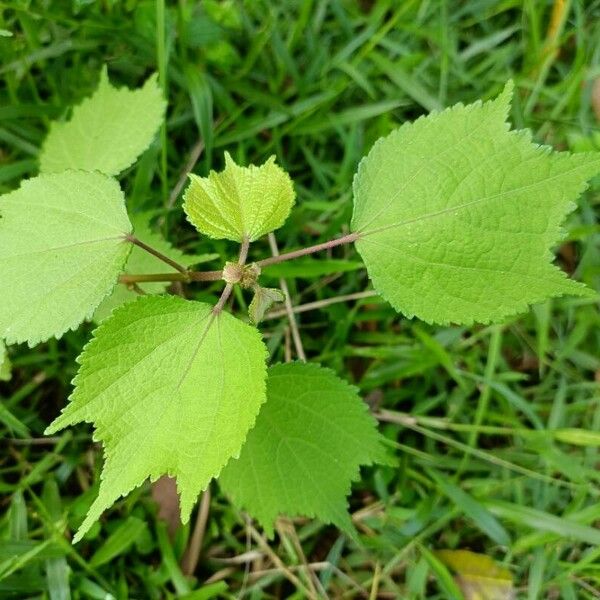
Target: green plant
(454,216)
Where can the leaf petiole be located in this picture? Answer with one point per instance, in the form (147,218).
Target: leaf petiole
(131,238)
(273,260)
(229,287)
(183,277)
(188,276)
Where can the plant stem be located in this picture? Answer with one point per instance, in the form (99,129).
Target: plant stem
(346,239)
(192,552)
(184,277)
(205,275)
(157,254)
(187,276)
(137,289)
(244,252)
(153,277)
(218,307)
(289,309)
(275,314)
(229,287)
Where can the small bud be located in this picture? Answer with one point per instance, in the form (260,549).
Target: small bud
(246,276)
(233,273)
(250,276)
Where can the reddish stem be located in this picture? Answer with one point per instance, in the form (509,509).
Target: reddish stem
(229,287)
(131,238)
(187,276)
(347,239)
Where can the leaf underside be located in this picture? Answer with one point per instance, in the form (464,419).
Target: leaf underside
(170,389)
(457,215)
(107,131)
(62,247)
(239,202)
(310,439)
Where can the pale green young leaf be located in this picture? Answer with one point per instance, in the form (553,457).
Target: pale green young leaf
(262,300)
(62,246)
(141,262)
(240,202)
(171,389)
(307,446)
(5,367)
(457,215)
(107,131)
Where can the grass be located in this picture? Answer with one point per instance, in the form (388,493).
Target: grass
(494,426)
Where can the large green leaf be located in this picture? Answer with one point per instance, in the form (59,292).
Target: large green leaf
(457,214)
(141,262)
(239,201)
(62,246)
(106,132)
(171,389)
(307,446)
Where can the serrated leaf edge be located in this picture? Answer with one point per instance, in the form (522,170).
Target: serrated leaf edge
(318,368)
(34,341)
(104,81)
(504,98)
(81,374)
(272,159)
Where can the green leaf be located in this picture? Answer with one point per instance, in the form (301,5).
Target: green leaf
(106,132)
(141,262)
(239,201)
(262,301)
(5,367)
(171,389)
(62,247)
(456,215)
(478,576)
(307,446)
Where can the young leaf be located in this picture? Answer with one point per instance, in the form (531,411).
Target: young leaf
(307,446)
(171,389)
(141,262)
(62,246)
(456,215)
(239,202)
(262,301)
(106,132)
(4,363)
